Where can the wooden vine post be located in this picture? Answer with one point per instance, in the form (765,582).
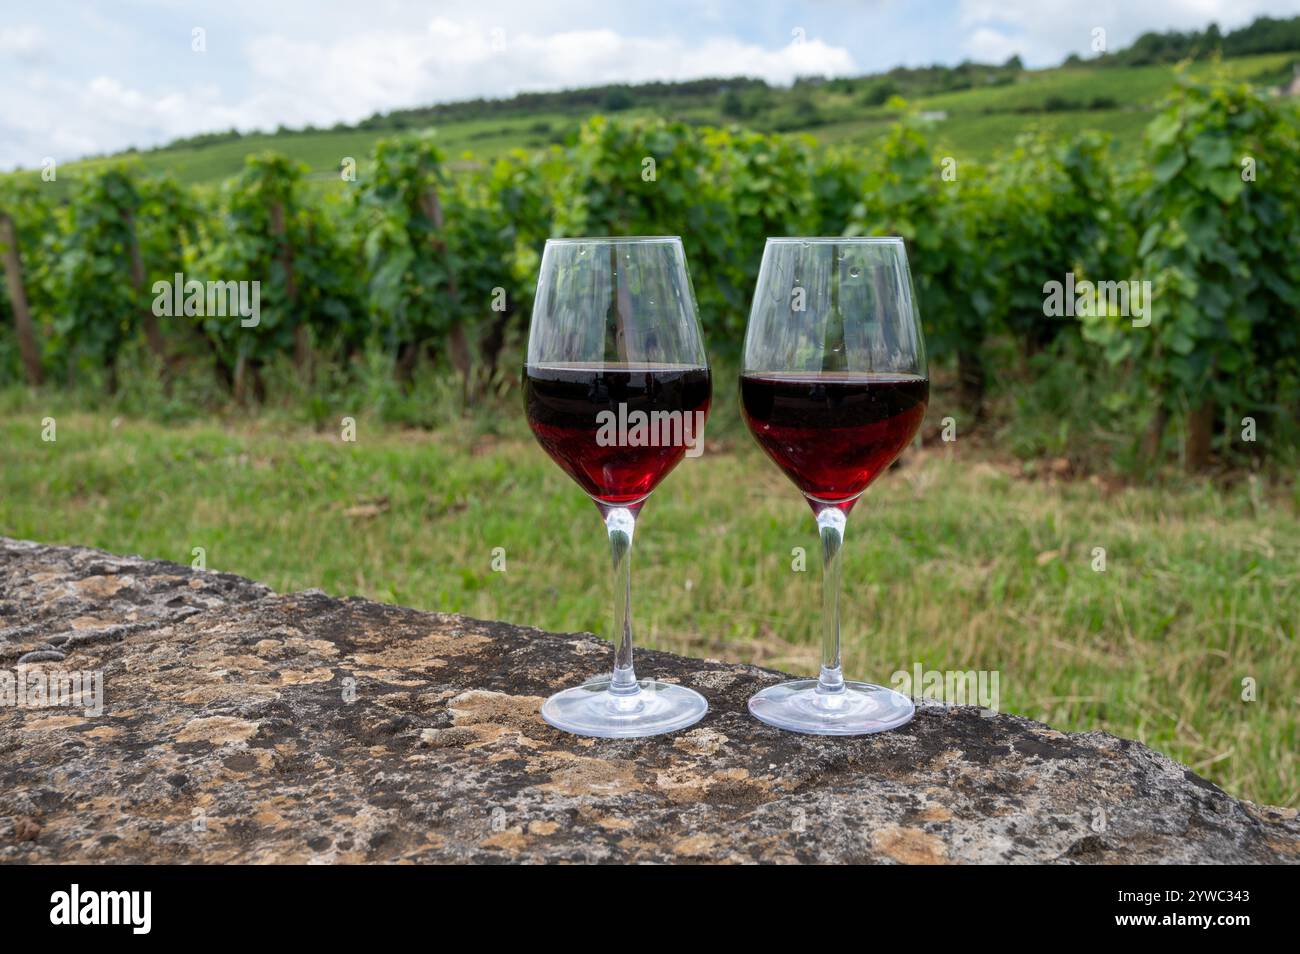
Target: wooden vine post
(23,327)
(301,335)
(457,342)
(152,330)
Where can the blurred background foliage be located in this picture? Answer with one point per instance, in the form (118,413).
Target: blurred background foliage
(416,266)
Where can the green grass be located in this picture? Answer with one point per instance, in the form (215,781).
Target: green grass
(952,561)
(979,122)
(323,151)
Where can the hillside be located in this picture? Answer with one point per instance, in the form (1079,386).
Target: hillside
(977,108)
(1118,100)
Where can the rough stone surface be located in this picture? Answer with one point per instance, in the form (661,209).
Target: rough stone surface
(244,726)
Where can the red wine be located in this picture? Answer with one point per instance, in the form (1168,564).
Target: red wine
(607,426)
(833,432)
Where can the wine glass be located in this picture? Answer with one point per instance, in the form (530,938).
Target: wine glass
(617,390)
(833,386)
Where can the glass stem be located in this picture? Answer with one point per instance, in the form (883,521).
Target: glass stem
(621,524)
(830,522)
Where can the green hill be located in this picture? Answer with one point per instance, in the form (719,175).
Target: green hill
(1118,100)
(977,108)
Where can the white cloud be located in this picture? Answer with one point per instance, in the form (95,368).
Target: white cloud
(295,81)
(92,83)
(54,116)
(355,76)
(1044,32)
(987,45)
(24,43)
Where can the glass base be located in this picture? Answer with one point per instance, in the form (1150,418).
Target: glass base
(650,709)
(859,710)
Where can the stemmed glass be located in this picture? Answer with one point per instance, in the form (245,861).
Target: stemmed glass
(833,387)
(617,390)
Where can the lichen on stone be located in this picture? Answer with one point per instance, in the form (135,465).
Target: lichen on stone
(244,726)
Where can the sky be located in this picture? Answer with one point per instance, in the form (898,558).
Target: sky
(82,78)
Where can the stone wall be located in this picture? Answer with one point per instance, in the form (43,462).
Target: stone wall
(239,725)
